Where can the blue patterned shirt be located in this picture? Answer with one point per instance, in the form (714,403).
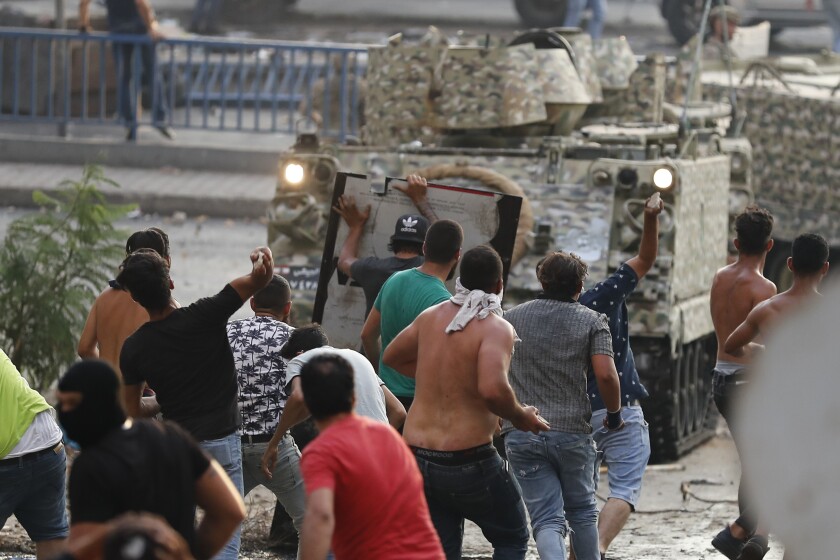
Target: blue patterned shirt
(609,297)
(260,371)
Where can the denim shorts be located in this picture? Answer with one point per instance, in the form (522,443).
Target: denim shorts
(625,452)
(32,489)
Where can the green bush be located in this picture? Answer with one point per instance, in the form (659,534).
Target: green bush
(53,264)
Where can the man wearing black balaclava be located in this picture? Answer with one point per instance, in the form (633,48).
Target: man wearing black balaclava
(139,465)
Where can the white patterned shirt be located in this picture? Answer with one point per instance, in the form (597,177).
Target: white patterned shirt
(261,373)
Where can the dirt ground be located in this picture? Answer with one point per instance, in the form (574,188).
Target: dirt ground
(682,506)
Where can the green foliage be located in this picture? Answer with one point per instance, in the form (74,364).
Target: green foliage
(53,264)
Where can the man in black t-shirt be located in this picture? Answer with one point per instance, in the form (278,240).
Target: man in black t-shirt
(406,243)
(184,355)
(139,465)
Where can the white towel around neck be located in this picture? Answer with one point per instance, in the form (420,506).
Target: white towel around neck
(474,303)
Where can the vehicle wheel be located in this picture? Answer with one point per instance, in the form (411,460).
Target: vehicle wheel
(541,13)
(683,17)
(679,410)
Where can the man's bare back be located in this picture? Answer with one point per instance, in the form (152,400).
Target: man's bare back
(462,386)
(763,318)
(449,412)
(736,290)
(113,318)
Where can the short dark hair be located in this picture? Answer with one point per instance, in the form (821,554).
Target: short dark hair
(398,246)
(754,226)
(275,295)
(327,384)
(481,269)
(443,241)
(152,238)
(809,253)
(561,274)
(303,339)
(145,274)
(165,237)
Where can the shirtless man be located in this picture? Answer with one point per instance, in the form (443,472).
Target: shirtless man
(114,315)
(736,290)
(809,264)
(459,352)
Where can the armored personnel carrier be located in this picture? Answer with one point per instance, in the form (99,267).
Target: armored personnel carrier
(789,110)
(547,117)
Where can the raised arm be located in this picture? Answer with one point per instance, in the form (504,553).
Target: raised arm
(370,337)
(355,220)
(493,386)
(417,190)
(223,511)
(649,245)
(401,353)
(261,273)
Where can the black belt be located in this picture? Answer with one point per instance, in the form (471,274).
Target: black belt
(260,438)
(55,449)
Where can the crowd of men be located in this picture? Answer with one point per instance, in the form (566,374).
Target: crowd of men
(405,448)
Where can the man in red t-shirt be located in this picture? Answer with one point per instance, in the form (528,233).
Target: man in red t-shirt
(364,491)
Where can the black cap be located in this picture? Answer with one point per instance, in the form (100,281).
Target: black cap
(411,228)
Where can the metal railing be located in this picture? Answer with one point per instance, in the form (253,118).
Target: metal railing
(245,85)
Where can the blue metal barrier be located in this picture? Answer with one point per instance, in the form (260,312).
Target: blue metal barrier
(261,86)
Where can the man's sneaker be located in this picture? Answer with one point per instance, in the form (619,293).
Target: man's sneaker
(728,545)
(166,132)
(755,549)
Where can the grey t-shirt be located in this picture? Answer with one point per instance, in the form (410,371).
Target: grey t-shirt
(370,400)
(554,357)
(372,272)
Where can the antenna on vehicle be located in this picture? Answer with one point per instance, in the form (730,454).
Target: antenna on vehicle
(707,7)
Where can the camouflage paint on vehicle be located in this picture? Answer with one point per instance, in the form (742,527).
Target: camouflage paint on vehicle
(792,121)
(425,110)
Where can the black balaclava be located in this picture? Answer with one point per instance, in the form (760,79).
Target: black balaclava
(100,410)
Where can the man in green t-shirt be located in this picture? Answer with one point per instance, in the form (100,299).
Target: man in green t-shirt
(32,463)
(408,293)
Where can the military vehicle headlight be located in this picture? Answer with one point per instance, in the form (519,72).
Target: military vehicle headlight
(663,178)
(293,173)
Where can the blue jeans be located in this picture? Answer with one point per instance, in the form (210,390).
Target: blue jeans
(228,452)
(483,492)
(625,452)
(574,13)
(32,488)
(128,88)
(555,471)
(286,482)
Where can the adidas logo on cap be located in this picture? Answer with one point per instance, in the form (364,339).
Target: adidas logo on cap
(409,225)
